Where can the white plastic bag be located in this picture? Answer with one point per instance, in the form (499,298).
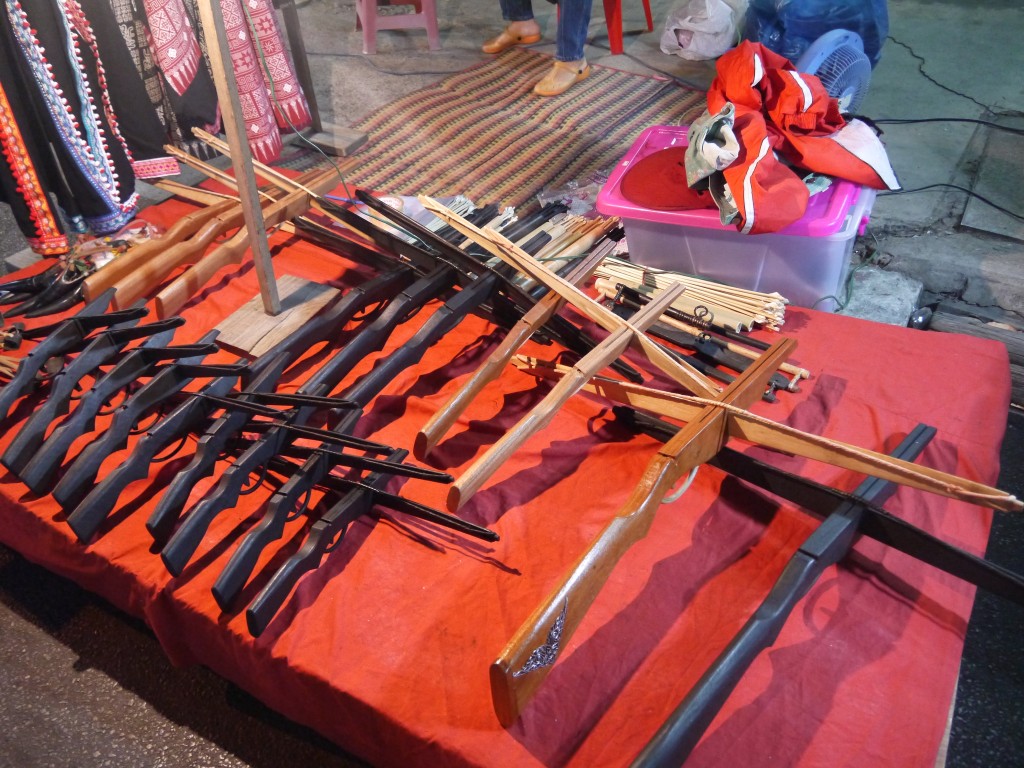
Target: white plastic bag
(700,29)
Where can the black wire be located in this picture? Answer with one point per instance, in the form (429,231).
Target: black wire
(933,81)
(970,192)
(910,120)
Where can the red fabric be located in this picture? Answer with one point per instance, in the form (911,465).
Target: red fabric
(385,649)
(659,181)
(268,99)
(785,112)
(173,42)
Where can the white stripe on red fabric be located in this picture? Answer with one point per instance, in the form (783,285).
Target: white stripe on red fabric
(808,98)
(748,196)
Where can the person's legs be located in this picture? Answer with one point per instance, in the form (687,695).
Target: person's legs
(573,22)
(516,10)
(521,29)
(570,66)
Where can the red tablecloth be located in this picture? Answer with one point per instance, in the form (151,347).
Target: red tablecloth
(385,649)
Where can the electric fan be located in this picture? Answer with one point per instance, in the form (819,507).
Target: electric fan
(837,58)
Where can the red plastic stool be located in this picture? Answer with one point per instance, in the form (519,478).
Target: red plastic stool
(613,18)
(425,16)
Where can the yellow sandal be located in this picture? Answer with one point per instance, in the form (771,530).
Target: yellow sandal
(563,75)
(509,39)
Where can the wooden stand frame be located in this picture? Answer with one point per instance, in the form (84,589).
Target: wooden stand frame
(250,315)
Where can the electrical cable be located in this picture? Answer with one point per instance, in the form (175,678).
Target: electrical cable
(920,68)
(987,123)
(912,120)
(970,192)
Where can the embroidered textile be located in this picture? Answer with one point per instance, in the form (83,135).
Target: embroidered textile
(254,90)
(22,188)
(55,72)
(173,42)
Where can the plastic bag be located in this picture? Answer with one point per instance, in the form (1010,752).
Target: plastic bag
(700,29)
(789,27)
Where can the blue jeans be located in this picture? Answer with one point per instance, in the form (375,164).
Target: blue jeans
(573,21)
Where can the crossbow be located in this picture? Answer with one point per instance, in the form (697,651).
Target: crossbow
(710,422)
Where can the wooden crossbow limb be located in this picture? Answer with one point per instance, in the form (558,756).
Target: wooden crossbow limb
(511,254)
(446,416)
(541,415)
(206,197)
(770,434)
(202,196)
(207,169)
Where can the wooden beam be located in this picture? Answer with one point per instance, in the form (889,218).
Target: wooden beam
(241,157)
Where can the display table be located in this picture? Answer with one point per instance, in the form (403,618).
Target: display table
(385,648)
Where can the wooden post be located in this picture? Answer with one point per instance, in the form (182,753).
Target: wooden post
(241,157)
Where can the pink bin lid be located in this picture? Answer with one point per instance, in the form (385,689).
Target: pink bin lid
(826,211)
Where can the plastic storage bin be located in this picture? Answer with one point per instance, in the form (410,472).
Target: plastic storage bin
(806,262)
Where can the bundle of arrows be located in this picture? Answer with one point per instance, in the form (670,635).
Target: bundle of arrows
(738,308)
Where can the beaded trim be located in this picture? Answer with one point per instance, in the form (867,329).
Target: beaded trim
(50,240)
(85,139)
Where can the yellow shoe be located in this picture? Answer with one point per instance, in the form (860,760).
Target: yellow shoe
(510,36)
(563,75)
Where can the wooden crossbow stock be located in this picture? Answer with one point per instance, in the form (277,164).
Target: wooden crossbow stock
(712,418)
(139,272)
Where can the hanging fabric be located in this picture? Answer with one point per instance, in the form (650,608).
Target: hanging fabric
(268,88)
(183,97)
(57,82)
(23,175)
(143,132)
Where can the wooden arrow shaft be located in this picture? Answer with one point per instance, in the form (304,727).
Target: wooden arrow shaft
(606,288)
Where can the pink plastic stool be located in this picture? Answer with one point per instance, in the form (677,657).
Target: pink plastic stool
(425,16)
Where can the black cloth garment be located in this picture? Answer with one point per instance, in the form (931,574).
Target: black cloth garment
(58,78)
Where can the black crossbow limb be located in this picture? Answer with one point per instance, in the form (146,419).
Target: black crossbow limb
(183,543)
(193,414)
(845,517)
